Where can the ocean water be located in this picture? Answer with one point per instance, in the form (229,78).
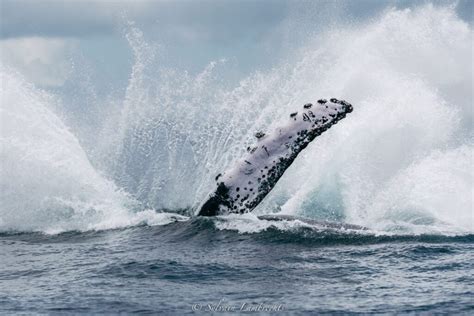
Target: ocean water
(96,209)
(193,265)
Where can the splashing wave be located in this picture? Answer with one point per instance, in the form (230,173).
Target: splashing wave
(401,163)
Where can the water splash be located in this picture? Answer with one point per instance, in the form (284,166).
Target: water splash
(404,72)
(402,163)
(408,106)
(46,180)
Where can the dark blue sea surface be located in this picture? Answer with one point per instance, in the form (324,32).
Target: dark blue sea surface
(191,266)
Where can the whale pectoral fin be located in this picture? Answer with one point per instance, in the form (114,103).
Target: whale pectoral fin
(244,186)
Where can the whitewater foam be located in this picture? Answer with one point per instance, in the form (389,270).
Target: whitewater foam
(402,163)
(405,73)
(47,182)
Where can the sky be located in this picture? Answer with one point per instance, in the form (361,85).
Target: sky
(48,41)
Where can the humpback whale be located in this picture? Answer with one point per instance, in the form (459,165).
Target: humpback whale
(241,188)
